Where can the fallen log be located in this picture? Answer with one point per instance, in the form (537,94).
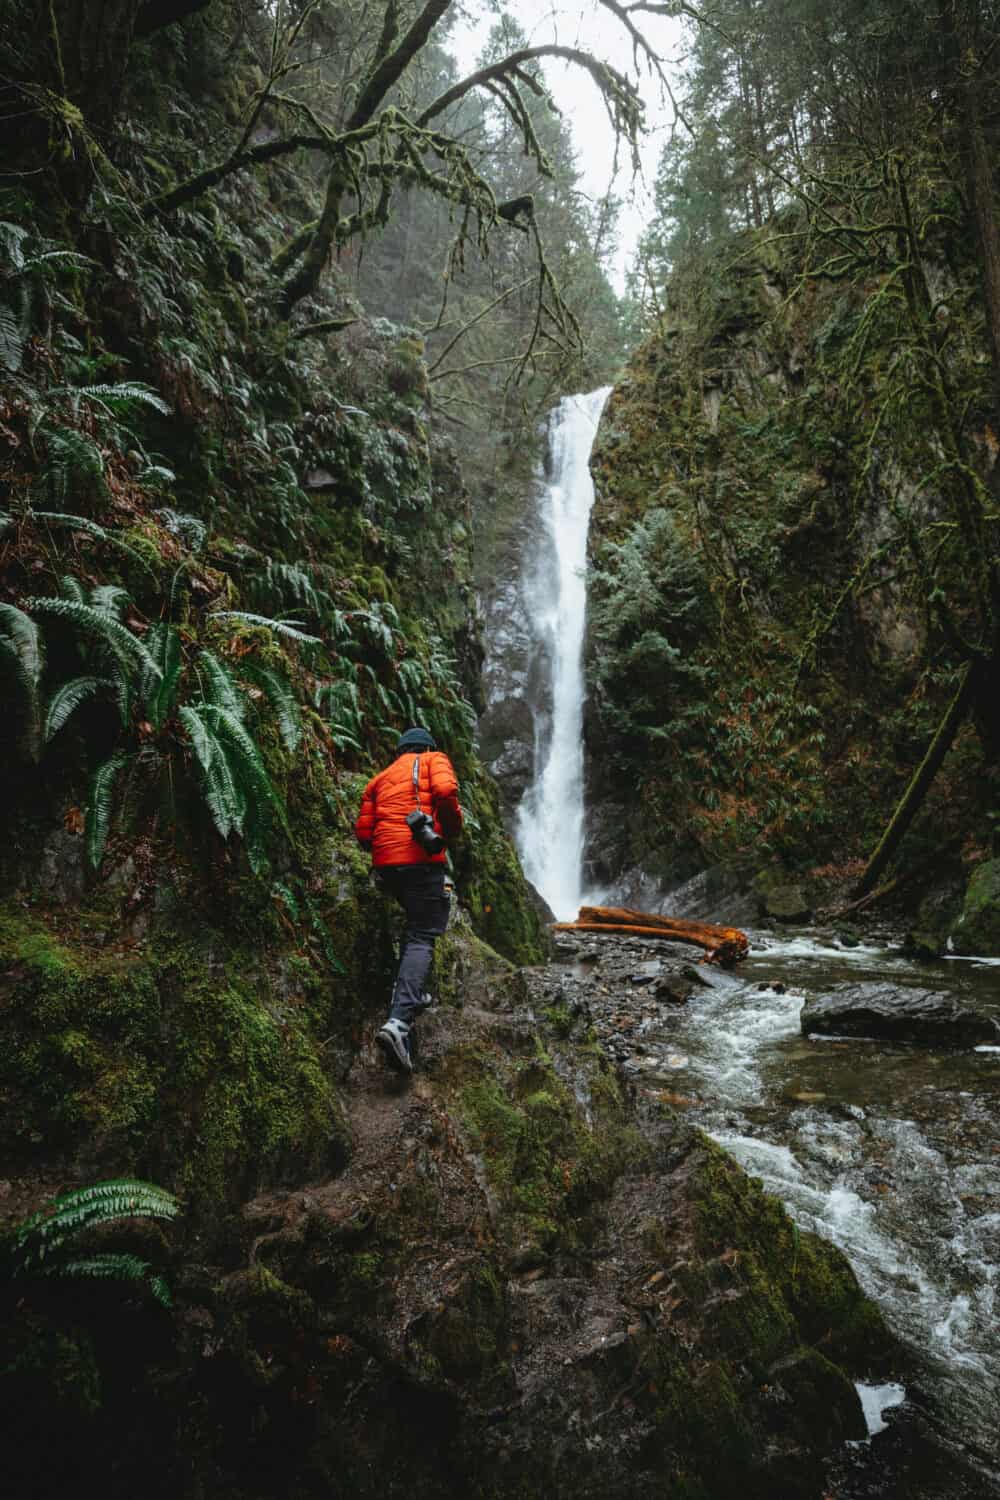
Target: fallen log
(724,945)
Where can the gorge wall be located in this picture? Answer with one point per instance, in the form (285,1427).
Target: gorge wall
(236,558)
(765,664)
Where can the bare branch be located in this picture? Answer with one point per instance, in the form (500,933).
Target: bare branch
(473,321)
(480,364)
(620,95)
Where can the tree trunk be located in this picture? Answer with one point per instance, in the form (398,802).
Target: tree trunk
(306,279)
(961,49)
(918,788)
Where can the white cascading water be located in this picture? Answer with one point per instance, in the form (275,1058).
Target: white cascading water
(549,828)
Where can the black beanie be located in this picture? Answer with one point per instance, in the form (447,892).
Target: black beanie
(415,739)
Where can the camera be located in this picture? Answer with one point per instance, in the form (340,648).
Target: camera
(421,825)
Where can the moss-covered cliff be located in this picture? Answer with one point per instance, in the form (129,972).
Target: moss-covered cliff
(768,655)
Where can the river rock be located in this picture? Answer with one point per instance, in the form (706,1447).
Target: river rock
(894,1013)
(786,903)
(977,930)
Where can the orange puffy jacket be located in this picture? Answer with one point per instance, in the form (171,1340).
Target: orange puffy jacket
(389,797)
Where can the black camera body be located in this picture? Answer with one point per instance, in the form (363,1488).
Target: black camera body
(421,825)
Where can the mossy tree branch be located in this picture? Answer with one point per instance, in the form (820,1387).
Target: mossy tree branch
(380,149)
(913,797)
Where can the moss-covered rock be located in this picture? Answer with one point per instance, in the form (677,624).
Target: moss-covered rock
(190,1061)
(977,930)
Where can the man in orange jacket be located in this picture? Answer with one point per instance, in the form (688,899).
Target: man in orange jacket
(407,812)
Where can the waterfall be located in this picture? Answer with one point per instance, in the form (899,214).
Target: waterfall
(549,827)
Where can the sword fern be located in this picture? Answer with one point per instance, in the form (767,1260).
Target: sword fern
(282,699)
(22,653)
(101,622)
(46,1243)
(101,806)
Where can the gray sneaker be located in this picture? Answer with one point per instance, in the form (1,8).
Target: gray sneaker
(394,1039)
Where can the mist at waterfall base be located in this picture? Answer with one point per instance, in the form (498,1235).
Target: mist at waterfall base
(549,829)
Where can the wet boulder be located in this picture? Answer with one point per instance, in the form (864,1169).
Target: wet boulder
(899,1014)
(782,898)
(977,930)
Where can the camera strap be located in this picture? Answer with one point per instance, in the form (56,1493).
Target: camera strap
(416,781)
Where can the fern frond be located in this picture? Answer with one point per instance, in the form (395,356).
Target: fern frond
(113,1266)
(110,599)
(71,455)
(220,686)
(47,257)
(289,584)
(283,701)
(164,646)
(38,1244)
(66,700)
(123,643)
(411,674)
(82,523)
(189,529)
(281,627)
(283,892)
(121,686)
(12,238)
(222,797)
(13,339)
(338,625)
(24,636)
(22,648)
(98,1203)
(100,806)
(157,476)
(72,588)
(115,399)
(249,764)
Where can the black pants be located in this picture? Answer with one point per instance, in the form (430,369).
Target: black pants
(419,889)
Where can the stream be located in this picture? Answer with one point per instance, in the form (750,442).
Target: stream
(889,1150)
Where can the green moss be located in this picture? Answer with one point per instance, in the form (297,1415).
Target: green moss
(781,1265)
(978,928)
(35,948)
(366,1268)
(702,1417)
(550,1167)
(749,1317)
(149,1063)
(467,1336)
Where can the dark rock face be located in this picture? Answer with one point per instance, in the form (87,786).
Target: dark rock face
(713,895)
(506,729)
(514,670)
(606,837)
(888,1012)
(783,898)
